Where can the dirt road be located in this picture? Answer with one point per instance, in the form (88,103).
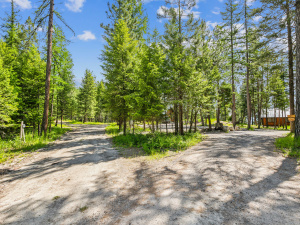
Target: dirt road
(230,178)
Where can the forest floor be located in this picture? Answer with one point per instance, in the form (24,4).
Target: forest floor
(229,178)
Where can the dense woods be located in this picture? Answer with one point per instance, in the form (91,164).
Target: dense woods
(236,71)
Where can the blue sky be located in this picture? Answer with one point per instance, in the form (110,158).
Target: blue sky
(85,16)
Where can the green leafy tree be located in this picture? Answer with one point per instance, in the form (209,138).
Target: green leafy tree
(87,96)
(119,59)
(8,104)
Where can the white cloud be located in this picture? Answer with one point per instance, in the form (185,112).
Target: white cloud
(23,4)
(86,36)
(216,11)
(212,24)
(257,18)
(75,5)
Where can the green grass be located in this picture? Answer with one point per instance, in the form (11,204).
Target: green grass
(9,148)
(157,143)
(87,123)
(289,145)
(112,129)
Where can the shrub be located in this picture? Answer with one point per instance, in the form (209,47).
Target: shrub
(158,142)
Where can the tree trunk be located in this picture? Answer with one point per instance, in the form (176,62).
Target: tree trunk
(248,74)
(56,122)
(176,118)
(209,121)
(51,114)
(232,72)
(297,121)
(291,63)
(191,122)
(124,125)
(61,118)
(48,69)
(202,119)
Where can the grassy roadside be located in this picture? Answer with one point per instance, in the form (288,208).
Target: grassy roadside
(288,145)
(15,147)
(154,144)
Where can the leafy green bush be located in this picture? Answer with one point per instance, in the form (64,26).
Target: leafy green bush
(158,142)
(289,145)
(9,148)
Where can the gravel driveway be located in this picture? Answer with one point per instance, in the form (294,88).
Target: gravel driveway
(230,178)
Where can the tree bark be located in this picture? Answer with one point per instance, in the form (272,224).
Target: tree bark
(51,114)
(248,74)
(291,63)
(297,121)
(176,118)
(232,71)
(191,122)
(48,69)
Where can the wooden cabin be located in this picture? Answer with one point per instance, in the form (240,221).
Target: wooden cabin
(280,121)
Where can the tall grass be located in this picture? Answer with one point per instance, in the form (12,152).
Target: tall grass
(289,145)
(153,143)
(9,148)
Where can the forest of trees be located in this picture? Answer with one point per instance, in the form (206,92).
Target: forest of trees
(236,71)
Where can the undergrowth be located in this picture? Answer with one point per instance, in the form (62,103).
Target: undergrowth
(9,148)
(289,145)
(153,143)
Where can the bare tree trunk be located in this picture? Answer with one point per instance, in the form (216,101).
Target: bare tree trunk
(48,69)
(51,114)
(202,119)
(291,63)
(176,117)
(209,121)
(124,125)
(248,74)
(232,72)
(191,122)
(297,121)
(61,118)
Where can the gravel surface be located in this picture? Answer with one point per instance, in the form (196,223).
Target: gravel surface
(230,178)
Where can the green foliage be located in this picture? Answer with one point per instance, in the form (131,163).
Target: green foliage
(13,147)
(289,145)
(87,96)
(119,59)
(112,129)
(158,142)
(8,96)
